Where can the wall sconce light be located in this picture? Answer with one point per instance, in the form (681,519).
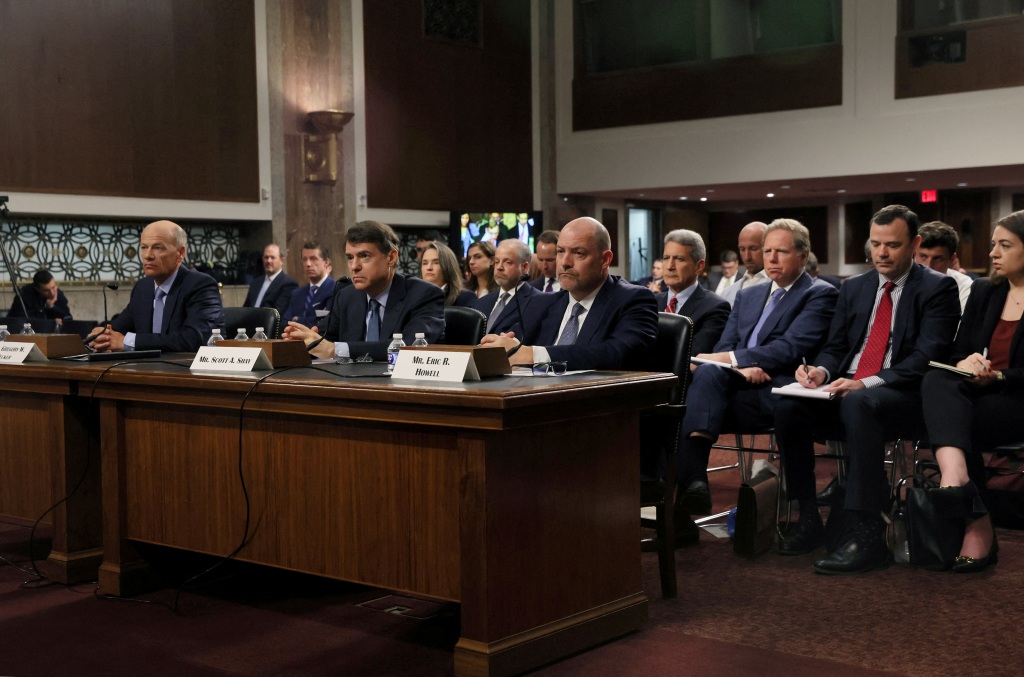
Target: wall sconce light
(320,150)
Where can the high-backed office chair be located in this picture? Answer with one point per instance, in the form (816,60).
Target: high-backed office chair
(671,354)
(16,324)
(249,319)
(463,326)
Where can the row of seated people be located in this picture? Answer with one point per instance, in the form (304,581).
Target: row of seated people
(870,342)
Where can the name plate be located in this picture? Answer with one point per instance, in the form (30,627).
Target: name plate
(18,353)
(436,365)
(215,358)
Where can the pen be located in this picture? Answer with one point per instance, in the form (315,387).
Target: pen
(807,371)
(984,353)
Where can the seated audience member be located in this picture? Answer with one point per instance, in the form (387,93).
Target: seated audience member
(599,322)
(423,240)
(749,244)
(965,417)
(937,250)
(440,267)
(512,300)
(44,299)
(274,288)
(720,280)
(812,270)
(378,303)
(480,261)
(682,264)
(547,244)
(173,308)
(655,281)
(888,323)
(311,302)
(770,329)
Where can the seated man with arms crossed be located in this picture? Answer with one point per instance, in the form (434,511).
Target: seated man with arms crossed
(378,303)
(771,327)
(174,308)
(597,321)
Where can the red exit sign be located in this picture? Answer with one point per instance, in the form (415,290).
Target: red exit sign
(929,196)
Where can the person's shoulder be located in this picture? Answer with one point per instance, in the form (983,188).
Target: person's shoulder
(415,285)
(713,299)
(193,278)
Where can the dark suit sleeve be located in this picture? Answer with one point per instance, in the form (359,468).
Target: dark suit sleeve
(422,312)
(194,317)
(802,337)
(971,337)
(284,297)
(711,325)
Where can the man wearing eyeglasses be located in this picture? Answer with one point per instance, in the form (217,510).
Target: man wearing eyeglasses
(597,321)
(378,303)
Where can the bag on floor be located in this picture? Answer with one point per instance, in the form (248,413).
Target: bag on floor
(934,524)
(755,515)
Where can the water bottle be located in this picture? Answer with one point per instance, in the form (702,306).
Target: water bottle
(3,332)
(396,344)
(241,335)
(28,330)
(421,340)
(215,338)
(260,335)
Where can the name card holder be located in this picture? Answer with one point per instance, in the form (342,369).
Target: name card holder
(217,358)
(20,352)
(279,352)
(52,346)
(452,364)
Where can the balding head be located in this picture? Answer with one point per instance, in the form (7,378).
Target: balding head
(162,249)
(749,244)
(584,254)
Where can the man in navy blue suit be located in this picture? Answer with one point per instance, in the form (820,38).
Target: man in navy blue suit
(173,308)
(378,303)
(311,302)
(273,289)
(889,323)
(771,328)
(682,264)
(547,246)
(505,306)
(597,321)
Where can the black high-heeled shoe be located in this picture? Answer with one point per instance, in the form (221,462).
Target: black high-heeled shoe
(970,565)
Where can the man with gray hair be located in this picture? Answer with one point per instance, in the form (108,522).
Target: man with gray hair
(682,264)
(505,306)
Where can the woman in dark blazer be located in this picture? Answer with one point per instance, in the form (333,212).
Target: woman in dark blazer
(966,416)
(440,267)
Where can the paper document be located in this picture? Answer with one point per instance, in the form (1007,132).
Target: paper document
(723,365)
(797,390)
(949,367)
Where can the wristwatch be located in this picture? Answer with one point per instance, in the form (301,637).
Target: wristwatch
(1000,376)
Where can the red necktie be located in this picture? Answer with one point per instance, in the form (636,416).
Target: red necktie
(878,340)
(671,305)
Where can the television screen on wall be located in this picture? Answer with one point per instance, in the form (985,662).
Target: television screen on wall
(466,228)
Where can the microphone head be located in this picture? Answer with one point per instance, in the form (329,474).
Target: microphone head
(525,277)
(112,286)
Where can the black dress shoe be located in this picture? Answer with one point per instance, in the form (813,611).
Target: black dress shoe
(825,495)
(696,499)
(807,536)
(856,555)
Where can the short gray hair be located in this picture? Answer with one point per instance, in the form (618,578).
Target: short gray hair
(519,248)
(691,239)
(801,236)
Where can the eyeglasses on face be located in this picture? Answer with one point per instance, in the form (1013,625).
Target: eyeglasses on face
(548,368)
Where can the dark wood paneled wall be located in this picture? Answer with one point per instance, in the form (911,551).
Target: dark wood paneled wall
(138,98)
(448,126)
(724,228)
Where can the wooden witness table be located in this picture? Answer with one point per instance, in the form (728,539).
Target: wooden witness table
(515,497)
(49,452)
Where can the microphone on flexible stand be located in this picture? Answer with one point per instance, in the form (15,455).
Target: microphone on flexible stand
(112,287)
(522,278)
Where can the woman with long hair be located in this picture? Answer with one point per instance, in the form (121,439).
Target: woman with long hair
(439,266)
(480,259)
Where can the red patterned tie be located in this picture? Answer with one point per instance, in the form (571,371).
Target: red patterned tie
(671,305)
(878,340)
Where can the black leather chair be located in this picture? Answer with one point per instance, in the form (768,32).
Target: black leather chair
(249,319)
(463,326)
(671,354)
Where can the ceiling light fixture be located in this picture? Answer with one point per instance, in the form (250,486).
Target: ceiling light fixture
(703,199)
(771,194)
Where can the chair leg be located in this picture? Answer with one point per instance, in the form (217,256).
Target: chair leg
(667,550)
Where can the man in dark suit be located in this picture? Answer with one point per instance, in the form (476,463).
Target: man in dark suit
(44,299)
(655,281)
(378,303)
(888,324)
(274,289)
(311,302)
(505,306)
(771,327)
(547,245)
(682,264)
(173,309)
(597,321)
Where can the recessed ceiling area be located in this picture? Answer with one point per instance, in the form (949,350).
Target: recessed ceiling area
(819,190)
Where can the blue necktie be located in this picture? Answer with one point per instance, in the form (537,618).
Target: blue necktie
(158,311)
(549,288)
(309,298)
(373,321)
(572,327)
(499,307)
(772,302)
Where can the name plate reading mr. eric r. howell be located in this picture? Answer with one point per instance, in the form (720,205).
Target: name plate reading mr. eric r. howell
(436,365)
(214,358)
(17,353)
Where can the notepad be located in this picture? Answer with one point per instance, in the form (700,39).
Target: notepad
(797,390)
(723,365)
(949,367)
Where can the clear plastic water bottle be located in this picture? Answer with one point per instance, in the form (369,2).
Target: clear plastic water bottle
(215,338)
(241,335)
(3,332)
(396,344)
(28,330)
(421,340)
(260,335)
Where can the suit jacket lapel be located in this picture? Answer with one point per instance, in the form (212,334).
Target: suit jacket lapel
(905,309)
(393,311)
(594,317)
(691,303)
(789,299)
(171,301)
(755,314)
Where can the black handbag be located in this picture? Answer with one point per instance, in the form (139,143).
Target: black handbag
(934,521)
(755,515)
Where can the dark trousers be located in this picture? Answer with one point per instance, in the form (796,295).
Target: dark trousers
(971,418)
(864,421)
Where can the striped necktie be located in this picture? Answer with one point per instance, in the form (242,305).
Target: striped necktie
(572,327)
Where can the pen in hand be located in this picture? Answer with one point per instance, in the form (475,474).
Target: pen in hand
(807,370)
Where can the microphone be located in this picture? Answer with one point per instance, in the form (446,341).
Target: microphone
(525,277)
(112,287)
